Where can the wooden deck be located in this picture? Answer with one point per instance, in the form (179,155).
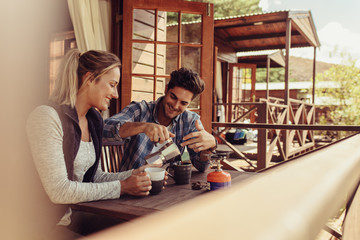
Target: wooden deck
(249,150)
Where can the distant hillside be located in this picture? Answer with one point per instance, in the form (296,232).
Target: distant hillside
(301,69)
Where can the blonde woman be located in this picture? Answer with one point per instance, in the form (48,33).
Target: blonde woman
(66,135)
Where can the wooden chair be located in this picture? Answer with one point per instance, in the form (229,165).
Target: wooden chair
(111,156)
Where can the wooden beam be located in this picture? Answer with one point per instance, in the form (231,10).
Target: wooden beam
(261,36)
(289,126)
(268,47)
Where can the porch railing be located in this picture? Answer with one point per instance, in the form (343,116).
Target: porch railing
(287,129)
(292,201)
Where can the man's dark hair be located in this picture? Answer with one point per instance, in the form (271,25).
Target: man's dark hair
(187,79)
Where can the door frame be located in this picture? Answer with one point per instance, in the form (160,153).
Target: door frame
(207,43)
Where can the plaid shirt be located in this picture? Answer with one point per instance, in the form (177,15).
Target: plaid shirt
(138,146)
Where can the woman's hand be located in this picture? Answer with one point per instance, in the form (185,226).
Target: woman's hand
(137,185)
(142,169)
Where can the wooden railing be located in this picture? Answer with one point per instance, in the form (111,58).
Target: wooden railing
(288,142)
(292,201)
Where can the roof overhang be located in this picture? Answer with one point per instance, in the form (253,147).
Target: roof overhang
(260,58)
(267,31)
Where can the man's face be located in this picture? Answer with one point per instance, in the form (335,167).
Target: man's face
(176,101)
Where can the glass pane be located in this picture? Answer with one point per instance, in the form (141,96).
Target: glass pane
(143,58)
(190,28)
(142,88)
(195,103)
(190,58)
(160,87)
(167,59)
(171,21)
(161,55)
(236,85)
(161,26)
(59,45)
(247,84)
(144,24)
(241,84)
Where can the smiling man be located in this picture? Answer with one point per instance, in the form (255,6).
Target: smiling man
(141,125)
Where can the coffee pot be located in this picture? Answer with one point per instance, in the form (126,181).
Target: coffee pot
(165,154)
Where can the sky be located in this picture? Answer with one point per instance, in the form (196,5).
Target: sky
(337,24)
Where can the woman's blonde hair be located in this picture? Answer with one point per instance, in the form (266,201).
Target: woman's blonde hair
(74,66)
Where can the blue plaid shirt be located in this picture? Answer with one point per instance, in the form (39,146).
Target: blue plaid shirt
(138,146)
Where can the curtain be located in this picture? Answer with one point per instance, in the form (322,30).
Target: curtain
(105,10)
(91,21)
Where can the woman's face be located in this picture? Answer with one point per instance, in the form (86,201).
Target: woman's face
(102,91)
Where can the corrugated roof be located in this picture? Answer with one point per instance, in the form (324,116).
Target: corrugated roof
(260,58)
(254,14)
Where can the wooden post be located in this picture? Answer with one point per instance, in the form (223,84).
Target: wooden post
(207,59)
(230,89)
(314,74)
(214,109)
(267,77)
(286,143)
(262,162)
(253,91)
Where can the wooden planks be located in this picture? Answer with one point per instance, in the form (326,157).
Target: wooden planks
(131,207)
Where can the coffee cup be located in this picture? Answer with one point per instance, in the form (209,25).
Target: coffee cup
(157,179)
(182,173)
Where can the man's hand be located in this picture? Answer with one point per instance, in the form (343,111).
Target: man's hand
(137,185)
(157,133)
(200,140)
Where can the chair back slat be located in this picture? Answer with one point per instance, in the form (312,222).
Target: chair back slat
(111,156)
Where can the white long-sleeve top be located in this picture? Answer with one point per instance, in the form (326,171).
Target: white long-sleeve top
(45,135)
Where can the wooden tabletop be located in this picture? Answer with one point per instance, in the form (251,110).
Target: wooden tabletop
(130,207)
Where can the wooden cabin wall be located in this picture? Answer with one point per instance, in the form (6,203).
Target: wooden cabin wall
(225,52)
(274,93)
(143,54)
(226,55)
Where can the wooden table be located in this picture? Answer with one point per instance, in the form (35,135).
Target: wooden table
(130,207)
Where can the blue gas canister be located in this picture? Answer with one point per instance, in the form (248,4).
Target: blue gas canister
(218,178)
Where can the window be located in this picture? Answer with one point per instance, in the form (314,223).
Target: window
(59,45)
(160,39)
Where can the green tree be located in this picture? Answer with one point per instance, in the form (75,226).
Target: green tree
(342,95)
(223,8)
(227,8)
(276,75)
